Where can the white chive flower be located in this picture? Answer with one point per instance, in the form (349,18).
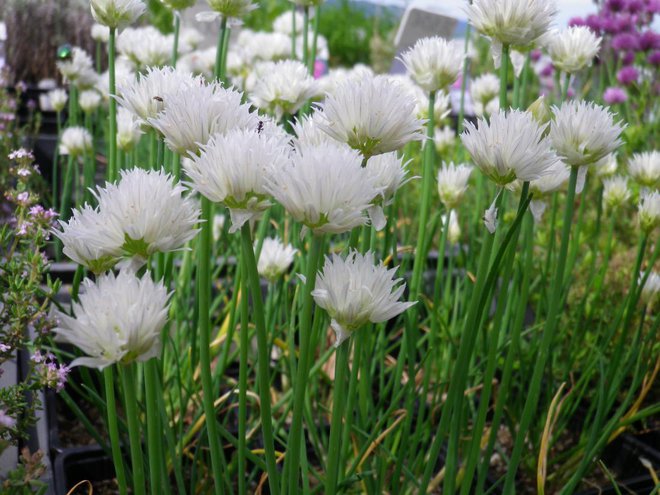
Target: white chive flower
(582,133)
(128,130)
(308,132)
(354,291)
(231,169)
(89,100)
(100,33)
(389,173)
(275,258)
(606,166)
(89,239)
(651,288)
(444,138)
(372,115)
(118,319)
(518,23)
(145,96)
(58,99)
(150,211)
(75,141)
(615,192)
(117,13)
(434,63)
(540,188)
(649,210)
(124,75)
(644,168)
(145,47)
(452,183)
(283,88)
(573,48)
(490,108)
(511,146)
(77,66)
(193,114)
(454,232)
(324,187)
(485,87)
(441,106)
(283,23)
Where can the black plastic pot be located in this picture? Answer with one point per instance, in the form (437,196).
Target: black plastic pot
(81,463)
(622,458)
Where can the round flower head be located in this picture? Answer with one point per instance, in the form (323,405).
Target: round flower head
(372,115)
(145,96)
(644,168)
(518,23)
(434,63)
(454,232)
(89,100)
(233,9)
(117,13)
(89,239)
(510,147)
(149,211)
(614,96)
(283,88)
(284,23)
(444,139)
(441,107)
(128,130)
(145,46)
(124,75)
(232,169)
(582,133)
(308,132)
(452,183)
(615,192)
(193,114)
(651,288)
(58,99)
(606,166)
(324,187)
(75,141)
(76,67)
(355,291)
(100,33)
(274,258)
(118,320)
(574,48)
(389,174)
(485,88)
(649,210)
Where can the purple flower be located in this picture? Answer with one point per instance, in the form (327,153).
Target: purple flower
(649,40)
(614,95)
(595,23)
(628,58)
(635,6)
(4,348)
(615,5)
(627,76)
(625,41)
(653,6)
(535,55)
(547,71)
(577,21)
(654,58)
(23,198)
(6,420)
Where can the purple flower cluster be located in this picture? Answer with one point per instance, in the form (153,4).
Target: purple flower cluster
(52,374)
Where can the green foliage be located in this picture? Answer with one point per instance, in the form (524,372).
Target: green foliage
(160,16)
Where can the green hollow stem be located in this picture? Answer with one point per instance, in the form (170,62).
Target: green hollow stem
(504,73)
(220,52)
(292,463)
(112,105)
(315,39)
(550,327)
(459,375)
(491,361)
(154,429)
(128,379)
(263,361)
(564,89)
(56,162)
(175,44)
(113,429)
(305,36)
(67,188)
(242,380)
(335,466)
(204,338)
(88,165)
(466,62)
